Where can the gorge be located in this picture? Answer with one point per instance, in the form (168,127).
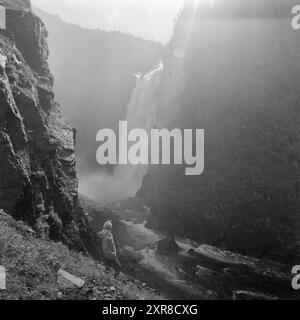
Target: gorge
(229,233)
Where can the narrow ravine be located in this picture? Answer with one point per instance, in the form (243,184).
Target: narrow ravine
(188,270)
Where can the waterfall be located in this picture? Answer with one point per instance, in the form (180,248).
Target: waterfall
(152,104)
(141,114)
(126,180)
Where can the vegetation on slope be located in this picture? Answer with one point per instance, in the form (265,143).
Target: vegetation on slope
(243,91)
(31,269)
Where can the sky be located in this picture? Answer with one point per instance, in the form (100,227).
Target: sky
(150,19)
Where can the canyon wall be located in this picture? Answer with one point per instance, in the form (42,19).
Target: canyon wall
(232,69)
(38,182)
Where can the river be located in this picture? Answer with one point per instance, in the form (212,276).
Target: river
(198,271)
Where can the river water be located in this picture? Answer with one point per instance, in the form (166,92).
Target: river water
(199,271)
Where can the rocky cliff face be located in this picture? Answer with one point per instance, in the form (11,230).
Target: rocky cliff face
(38,182)
(234,68)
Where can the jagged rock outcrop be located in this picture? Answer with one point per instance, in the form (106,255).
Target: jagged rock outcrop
(38,182)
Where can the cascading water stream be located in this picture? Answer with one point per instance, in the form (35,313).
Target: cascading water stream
(126,180)
(152,104)
(141,114)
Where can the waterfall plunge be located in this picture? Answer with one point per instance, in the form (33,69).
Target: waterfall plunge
(141,114)
(126,180)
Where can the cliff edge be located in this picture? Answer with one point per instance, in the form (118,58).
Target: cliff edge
(38,182)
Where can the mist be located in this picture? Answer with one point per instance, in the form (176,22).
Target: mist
(152,20)
(109,187)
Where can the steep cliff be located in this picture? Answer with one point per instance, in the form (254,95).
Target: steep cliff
(95,93)
(232,69)
(38,182)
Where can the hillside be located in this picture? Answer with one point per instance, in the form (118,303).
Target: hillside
(32,266)
(242,89)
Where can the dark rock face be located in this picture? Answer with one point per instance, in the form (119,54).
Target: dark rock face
(30,38)
(38,182)
(167,246)
(241,89)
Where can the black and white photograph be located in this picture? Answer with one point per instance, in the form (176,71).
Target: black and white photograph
(149,151)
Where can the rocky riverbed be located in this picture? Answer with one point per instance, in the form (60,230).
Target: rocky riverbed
(187,270)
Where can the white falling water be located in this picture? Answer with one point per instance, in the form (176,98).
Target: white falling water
(141,114)
(154,96)
(126,180)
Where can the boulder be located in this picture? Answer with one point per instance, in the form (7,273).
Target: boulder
(249,295)
(67,281)
(167,246)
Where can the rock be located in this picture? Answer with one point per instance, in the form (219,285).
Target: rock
(248,295)
(3,60)
(167,246)
(38,182)
(91,293)
(191,252)
(202,271)
(30,231)
(67,280)
(100,266)
(59,295)
(2,278)
(207,277)
(131,253)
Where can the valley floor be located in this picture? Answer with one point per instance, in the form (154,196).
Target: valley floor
(31,266)
(183,269)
